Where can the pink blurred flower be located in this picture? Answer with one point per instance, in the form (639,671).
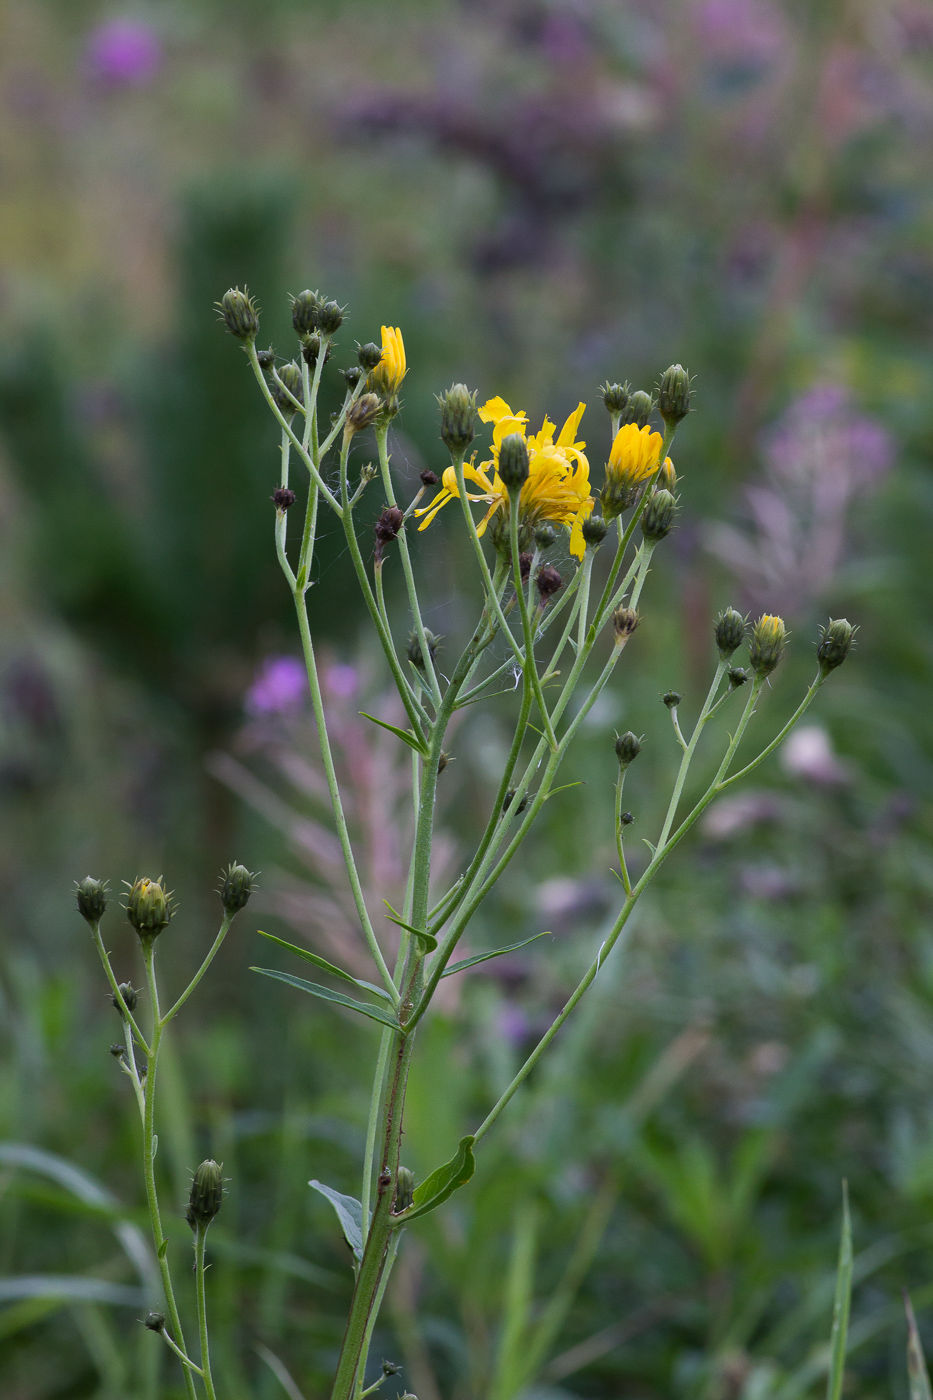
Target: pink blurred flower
(744,31)
(341,681)
(279,688)
(808,753)
(123,53)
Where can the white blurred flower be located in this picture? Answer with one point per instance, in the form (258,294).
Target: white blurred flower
(808,753)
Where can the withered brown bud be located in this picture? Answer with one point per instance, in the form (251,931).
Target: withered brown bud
(362,413)
(429,478)
(284,497)
(549,581)
(524,564)
(387,527)
(624,622)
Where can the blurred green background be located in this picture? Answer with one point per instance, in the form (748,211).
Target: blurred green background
(541,194)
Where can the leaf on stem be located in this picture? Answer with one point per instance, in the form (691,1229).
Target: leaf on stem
(496,953)
(374,1012)
(443,1181)
(916,1364)
(349,1213)
(405,735)
(428,941)
(326,966)
(840,1331)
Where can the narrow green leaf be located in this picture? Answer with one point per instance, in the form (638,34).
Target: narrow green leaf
(916,1364)
(839,1335)
(349,1212)
(496,953)
(77,1288)
(375,1012)
(326,966)
(428,940)
(406,737)
(443,1181)
(563,788)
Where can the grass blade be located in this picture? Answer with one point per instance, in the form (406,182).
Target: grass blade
(840,1332)
(916,1365)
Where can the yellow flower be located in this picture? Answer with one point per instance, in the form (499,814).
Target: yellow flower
(387,377)
(633,460)
(769,638)
(558,484)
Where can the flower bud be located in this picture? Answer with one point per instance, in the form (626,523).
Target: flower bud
(509,798)
(387,527)
(117,1050)
(736,677)
(265,358)
(330,317)
(91,895)
(637,410)
(129,995)
(207,1194)
(284,498)
(674,394)
(305,308)
(545,535)
(353,375)
(548,581)
(671,699)
(769,638)
(458,415)
(513,462)
(148,907)
(155,1321)
(362,413)
(404,1189)
(616,397)
(657,520)
(594,530)
(311,349)
(239,312)
(730,631)
(369,355)
(290,377)
(428,478)
(835,644)
(390,1368)
(414,652)
(236,887)
(525,561)
(624,622)
(666,479)
(626,819)
(628,747)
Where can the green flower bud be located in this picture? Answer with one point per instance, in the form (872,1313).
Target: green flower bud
(130,998)
(290,376)
(671,699)
(311,350)
(330,317)
(207,1195)
(657,519)
(666,479)
(265,358)
(626,819)
(353,375)
(737,677)
(730,631)
(513,462)
(769,638)
(236,887)
(458,413)
(240,314)
(616,396)
(390,1368)
(624,622)
(155,1321)
(637,410)
(305,308)
(414,652)
(674,394)
(594,530)
(369,355)
(148,907)
(545,535)
(836,642)
(117,1050)
(628,747)
(509,798)
(404,1190)
(91,895)
(359,415)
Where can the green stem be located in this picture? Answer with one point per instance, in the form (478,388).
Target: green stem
(287,429)
(530,668)
(199,1239)
(689,751)
(620,847)
(214,950)
(115,988)
(179,1353)
(281,524)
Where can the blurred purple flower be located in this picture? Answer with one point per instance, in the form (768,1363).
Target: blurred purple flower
(513,1023)
(279,688)
(745,31)
(341,681)
(123,53)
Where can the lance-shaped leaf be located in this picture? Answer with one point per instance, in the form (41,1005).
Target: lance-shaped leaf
(442,1182)
(326,966)
(496,953)
(428,941)
(405,735)
(349,1213)
(916,1364)
(840,1332)
(374,1012)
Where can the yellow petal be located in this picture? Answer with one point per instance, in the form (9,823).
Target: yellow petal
(494,409)
(568,433)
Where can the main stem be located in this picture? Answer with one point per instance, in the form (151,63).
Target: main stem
(199,1241)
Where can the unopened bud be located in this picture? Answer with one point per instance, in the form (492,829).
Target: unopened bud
(443,761)
(311,350)
(545,535)
(628,747)
(240,314)
(265,358)
(330,317)
(362,413)
(390,1368)
(674,394)
(671,699)
(509,798)
(736,677)
(594,530)
(666,479)
(149,907)
(91,895)
(657,520)
(305,308)
(429,478)
(414,652)
(637,410)
(525,561)
(836,642)
(458,417)
(369,355)
(284,498)
(624,622)
(207,1195)
(155,1321)
(769,638)
(626,819)
(236,886)
(616,397)
(548,581)
(290,379)
(730,631)
(117,1050)
(129,995)
(353,375)
(404,1189)
(513,462)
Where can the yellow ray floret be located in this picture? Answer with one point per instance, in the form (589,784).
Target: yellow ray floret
(387,377)
(558,484)
(635,454)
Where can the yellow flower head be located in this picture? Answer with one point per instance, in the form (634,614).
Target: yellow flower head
(633,461)
(387,377)
(769,638)
(558,484)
